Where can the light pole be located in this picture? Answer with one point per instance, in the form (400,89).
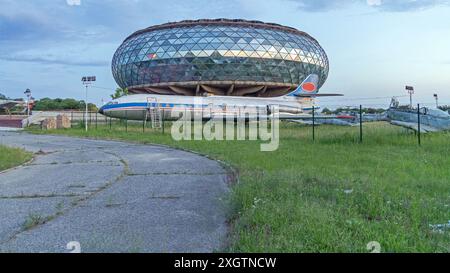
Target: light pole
(86,82)
(410,90)
(28,94)
(437,100)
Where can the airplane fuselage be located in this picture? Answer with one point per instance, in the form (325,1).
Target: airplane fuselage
(136,107)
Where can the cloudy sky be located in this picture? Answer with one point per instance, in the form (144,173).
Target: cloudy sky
(375,46)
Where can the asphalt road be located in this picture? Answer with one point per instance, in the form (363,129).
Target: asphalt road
(110,197)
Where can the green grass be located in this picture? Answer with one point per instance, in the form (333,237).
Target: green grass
(11,157)
(332,195)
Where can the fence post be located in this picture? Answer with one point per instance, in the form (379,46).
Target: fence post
(418,124)
(360,124)
(71,119)
(96,120)
(314,123)
(126,120)
(110,123)
(143,121)
(163,119)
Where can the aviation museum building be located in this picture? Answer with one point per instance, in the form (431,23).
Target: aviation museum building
(220,57)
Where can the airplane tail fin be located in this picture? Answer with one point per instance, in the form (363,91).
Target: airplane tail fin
(309,87)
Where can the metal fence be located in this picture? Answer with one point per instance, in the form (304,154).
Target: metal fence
(96,120)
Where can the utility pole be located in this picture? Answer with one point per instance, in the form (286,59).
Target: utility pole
(86,82)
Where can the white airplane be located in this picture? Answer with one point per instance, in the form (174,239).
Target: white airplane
(293,105)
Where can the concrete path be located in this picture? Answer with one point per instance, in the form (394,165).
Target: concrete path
(110,197)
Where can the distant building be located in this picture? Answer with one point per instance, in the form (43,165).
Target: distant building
(220,57)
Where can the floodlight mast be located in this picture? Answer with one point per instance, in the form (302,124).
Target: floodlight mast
(28,94)
(86,82)
(437,100)
(410,90)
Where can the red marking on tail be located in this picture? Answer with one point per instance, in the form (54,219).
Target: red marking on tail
(309,87)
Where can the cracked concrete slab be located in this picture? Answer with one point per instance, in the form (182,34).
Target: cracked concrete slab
(111,197)
(57,179)
(147,160)
(15,212)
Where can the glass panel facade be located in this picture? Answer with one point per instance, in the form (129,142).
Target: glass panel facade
(218,53)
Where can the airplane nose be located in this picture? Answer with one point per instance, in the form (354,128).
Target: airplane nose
(101,111)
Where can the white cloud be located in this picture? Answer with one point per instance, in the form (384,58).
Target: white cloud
(374,2)
(73,2)
(383,5)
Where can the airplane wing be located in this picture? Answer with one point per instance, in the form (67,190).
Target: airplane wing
(318,95)
(414,126)
(7,104)
(336,121)
(310,117)
(284,116)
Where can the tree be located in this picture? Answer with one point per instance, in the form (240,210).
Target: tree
(91,107)
(120,92)
(47,104)
(3,97)
(69,104)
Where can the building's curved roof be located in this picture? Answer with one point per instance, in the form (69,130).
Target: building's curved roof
(222,22)
(218,56)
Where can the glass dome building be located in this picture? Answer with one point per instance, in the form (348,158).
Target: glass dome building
(220,57)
